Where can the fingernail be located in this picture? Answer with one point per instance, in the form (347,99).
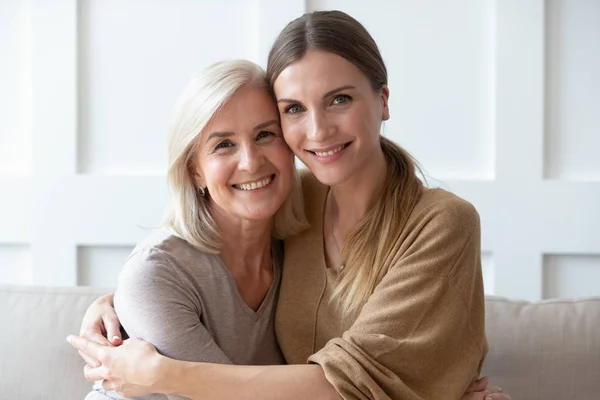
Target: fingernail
(69,339)
(116,338)
(489,398)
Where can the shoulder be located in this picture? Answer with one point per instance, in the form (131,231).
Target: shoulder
(162,254)
(440,208)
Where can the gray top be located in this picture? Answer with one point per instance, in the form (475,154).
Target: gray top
(186,303)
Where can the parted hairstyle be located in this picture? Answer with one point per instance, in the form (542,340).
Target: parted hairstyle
(368,248)
(188,214)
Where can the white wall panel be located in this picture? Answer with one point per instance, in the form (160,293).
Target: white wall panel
(571,275)
(15,264)
(489,273)
(572,90)
(135,57)
(99,266)
(439,57)
(15,96)
(497,99)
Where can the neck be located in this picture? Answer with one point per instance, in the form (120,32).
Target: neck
(245,244)
(353,198)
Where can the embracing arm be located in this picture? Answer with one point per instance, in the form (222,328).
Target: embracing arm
(423,345)
(213,381)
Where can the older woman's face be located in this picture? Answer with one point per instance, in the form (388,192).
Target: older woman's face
(331,116)
(242,158)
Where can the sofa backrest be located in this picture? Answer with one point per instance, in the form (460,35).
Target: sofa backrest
(36,362)
(546,350)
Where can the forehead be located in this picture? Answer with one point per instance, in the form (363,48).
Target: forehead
(318,71)
(247,108)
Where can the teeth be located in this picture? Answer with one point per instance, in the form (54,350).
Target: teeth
(255,185)
(330,152)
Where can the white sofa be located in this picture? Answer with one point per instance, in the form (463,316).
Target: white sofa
(548,350)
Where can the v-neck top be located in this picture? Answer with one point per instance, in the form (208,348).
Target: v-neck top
(421,333)
(186,303)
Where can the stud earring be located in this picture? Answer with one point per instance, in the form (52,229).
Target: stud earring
(201,191)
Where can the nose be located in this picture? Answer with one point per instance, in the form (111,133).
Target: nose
(251,159)
(319,128)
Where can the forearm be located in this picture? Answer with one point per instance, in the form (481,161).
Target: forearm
(205,381)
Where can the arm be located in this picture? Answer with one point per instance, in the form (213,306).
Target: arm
(155,305)
(388,340)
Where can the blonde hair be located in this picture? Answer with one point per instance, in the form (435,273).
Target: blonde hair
(368,249)
(188,214)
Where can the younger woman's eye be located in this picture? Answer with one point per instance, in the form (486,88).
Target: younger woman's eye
(293,109)
(224,144)
(341,99)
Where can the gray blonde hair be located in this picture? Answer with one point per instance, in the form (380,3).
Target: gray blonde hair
(188,214)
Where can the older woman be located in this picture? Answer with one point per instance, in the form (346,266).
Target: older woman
(382,297)
(204,288)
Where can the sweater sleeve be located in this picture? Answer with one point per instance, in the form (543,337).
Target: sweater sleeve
(153,304)
(421,333)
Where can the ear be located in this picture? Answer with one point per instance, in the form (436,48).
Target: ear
(198,180)
(385,96)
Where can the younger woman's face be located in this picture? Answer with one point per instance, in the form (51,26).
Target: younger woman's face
(331,115)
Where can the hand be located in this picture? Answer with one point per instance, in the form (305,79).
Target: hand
(99,323)
(131,369)
(478,390)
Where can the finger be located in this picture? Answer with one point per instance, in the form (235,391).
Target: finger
(478,386)
(92,362)
(94,374)
(113,330)
(95,336)
(88,347)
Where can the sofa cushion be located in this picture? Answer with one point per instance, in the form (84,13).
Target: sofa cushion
(545,350)
(36,362)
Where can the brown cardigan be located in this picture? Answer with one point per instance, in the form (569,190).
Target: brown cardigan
(420,335)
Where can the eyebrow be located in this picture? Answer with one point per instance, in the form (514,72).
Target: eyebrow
(228,134)
(339,89)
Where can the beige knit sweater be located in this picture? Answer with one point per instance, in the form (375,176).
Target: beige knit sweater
(420,335)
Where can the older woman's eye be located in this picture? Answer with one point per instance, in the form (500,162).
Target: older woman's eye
(264,135)
(224,144)
(341,99)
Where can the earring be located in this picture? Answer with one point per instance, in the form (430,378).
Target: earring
(201,191)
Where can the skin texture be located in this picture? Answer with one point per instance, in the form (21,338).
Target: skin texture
(315,117)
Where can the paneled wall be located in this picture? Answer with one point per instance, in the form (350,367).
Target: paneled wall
(498,100)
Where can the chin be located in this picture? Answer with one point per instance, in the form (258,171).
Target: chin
(329,177)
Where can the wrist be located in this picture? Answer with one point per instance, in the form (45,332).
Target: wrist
(169,376)
(159,377)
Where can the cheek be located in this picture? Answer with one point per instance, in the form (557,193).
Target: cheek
(216,175)
(293,133)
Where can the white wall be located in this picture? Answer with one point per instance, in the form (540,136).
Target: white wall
(499,100)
